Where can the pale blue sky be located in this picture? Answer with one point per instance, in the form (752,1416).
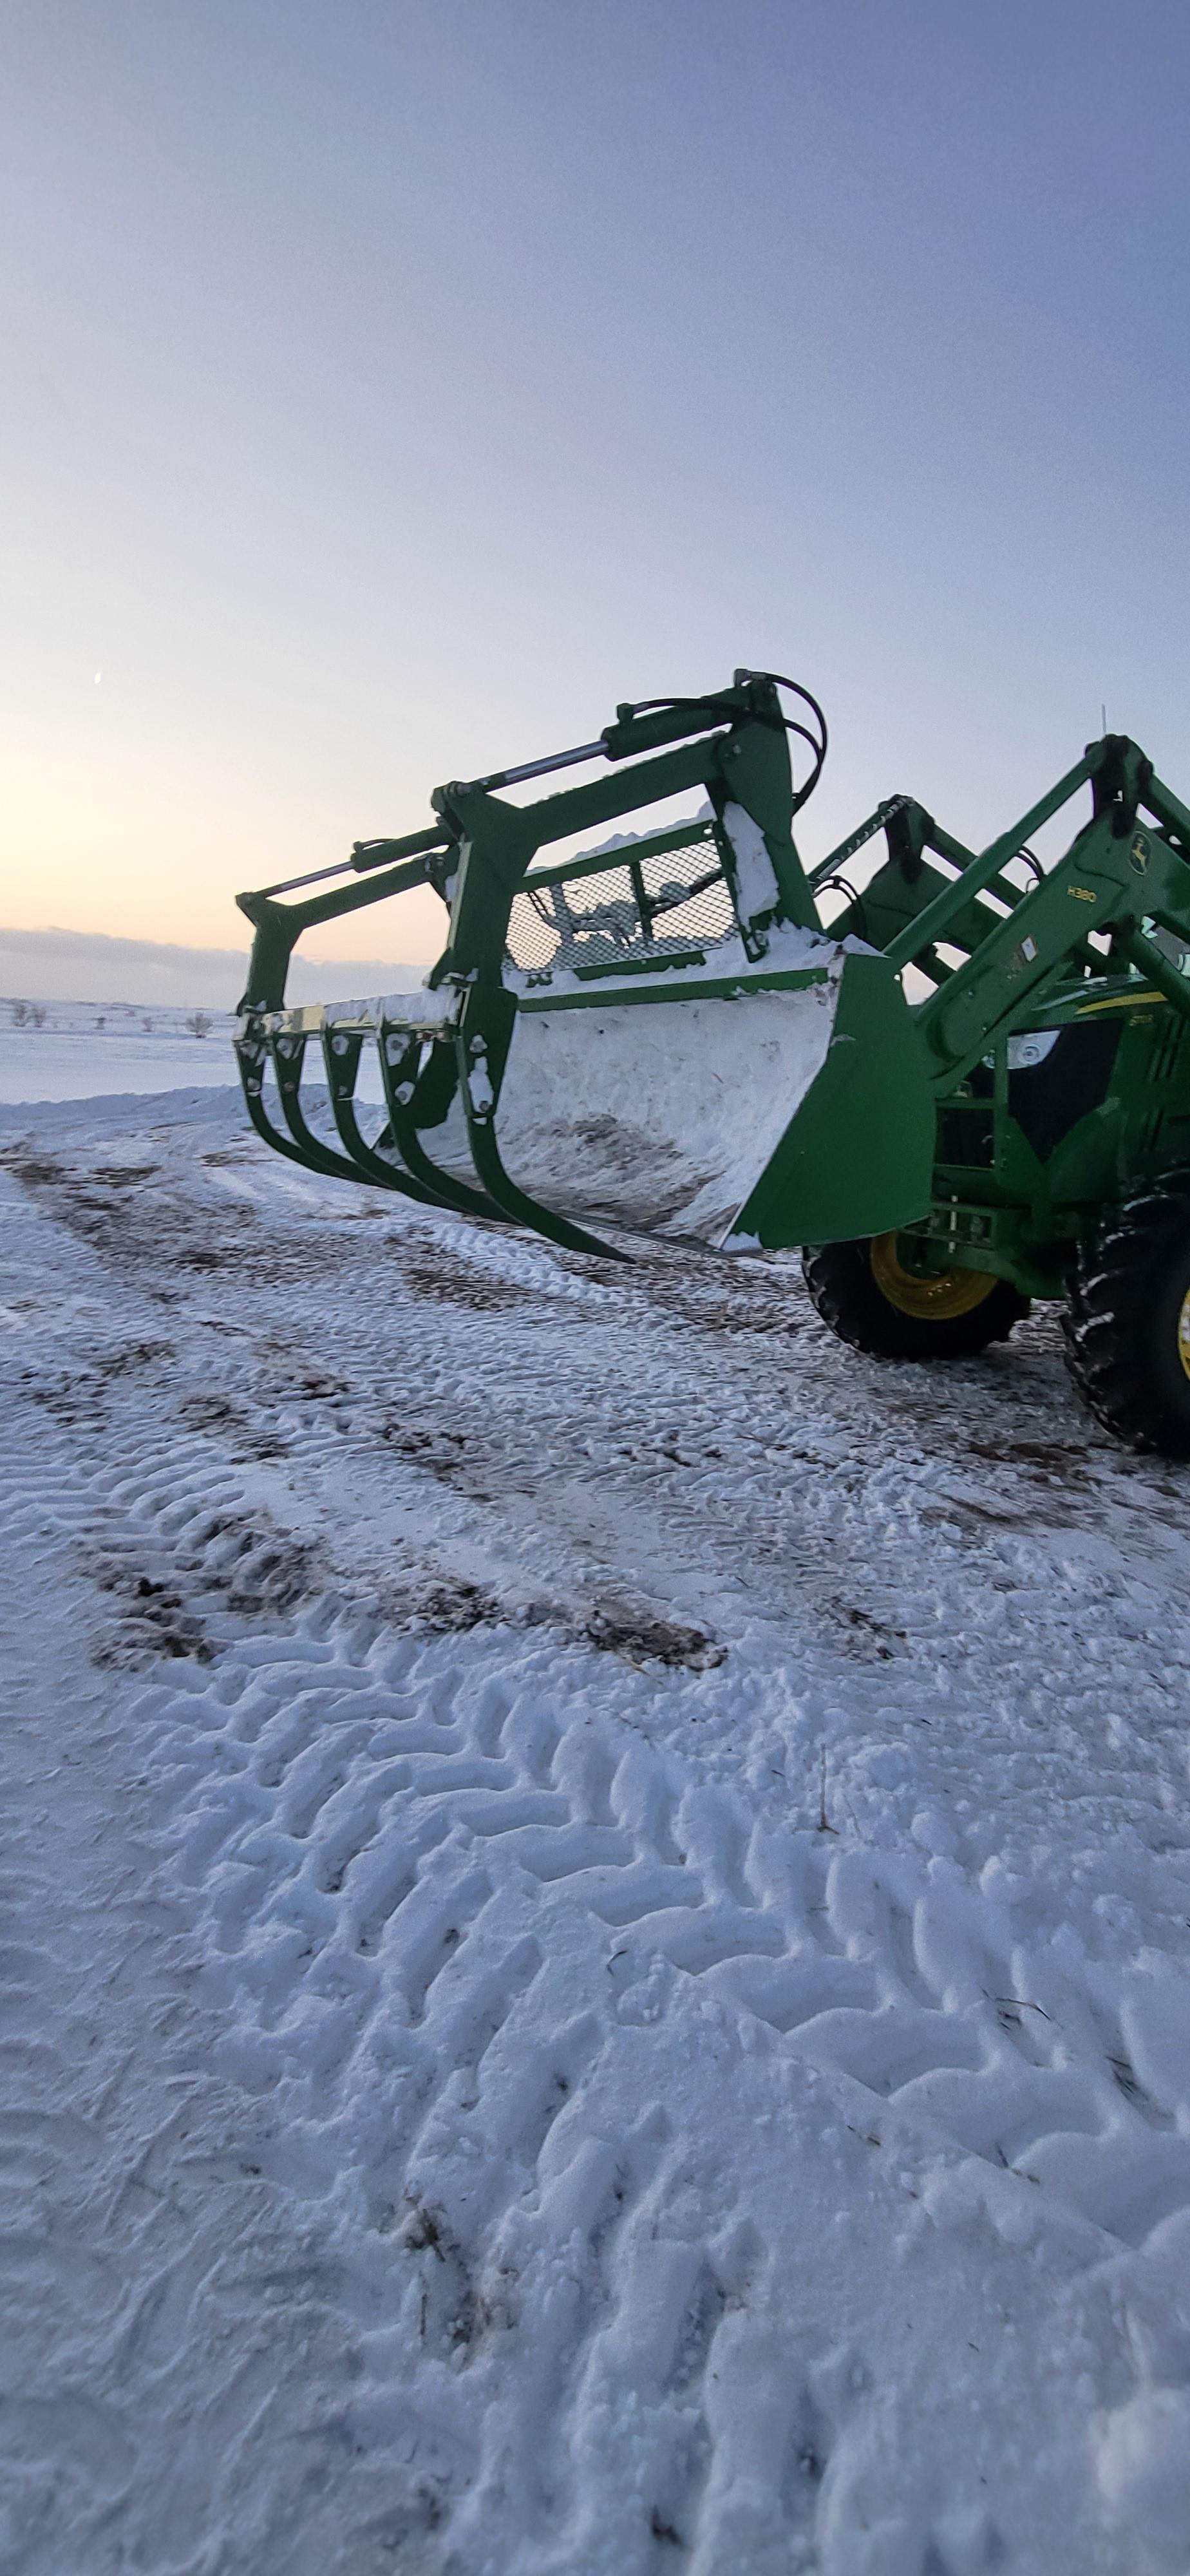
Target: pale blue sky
(389,389)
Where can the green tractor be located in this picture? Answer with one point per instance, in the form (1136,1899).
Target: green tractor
(967,1089)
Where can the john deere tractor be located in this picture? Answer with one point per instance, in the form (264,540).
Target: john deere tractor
(958,1080)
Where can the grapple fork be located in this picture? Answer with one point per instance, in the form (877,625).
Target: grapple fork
(651,1034)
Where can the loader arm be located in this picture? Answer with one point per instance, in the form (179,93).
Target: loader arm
(1089,960)
(1017,950)
(1117,874)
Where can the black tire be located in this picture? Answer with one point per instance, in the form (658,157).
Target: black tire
(1127,1316)
(849,1298)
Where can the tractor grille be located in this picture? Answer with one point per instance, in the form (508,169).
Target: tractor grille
(638,910)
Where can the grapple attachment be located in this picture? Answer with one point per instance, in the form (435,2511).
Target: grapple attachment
(651,1036)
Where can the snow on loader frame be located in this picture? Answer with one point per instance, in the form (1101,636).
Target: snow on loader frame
(662,1034)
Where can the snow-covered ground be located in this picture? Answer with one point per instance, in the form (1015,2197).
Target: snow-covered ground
(86,1050)
(63,1050)
(596,1908)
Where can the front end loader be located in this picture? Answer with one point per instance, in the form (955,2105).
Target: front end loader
(968,1089)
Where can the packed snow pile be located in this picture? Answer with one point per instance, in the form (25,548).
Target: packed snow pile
(596,1907)
(663,1114)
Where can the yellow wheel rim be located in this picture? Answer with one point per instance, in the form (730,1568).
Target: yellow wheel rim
(1184,1332)
(955,1292)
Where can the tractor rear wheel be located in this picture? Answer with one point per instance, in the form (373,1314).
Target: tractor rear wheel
(864,1291)
(1127,1325)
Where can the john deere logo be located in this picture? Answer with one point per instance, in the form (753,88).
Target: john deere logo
(1140,852)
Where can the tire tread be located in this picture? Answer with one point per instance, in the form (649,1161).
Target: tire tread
(845,1294)
(1106,1324)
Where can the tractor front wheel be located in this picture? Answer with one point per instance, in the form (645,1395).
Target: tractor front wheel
(868,1296)
(1127,1325)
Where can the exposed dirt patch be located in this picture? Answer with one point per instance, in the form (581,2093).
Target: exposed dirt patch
(225,1414)
(76,1400)
(259,1569)
(664,2530)
(1065,1460)
(134,1218)
(425,2231)
(287,1375)
(37,1171)
(453,2312)
(152,1620)
(452,1282)
(967,1513)
(212,1412)
(451,1603)
(864,1632)
(131,1356)
(620,1628)
(721,1296)
(247,1564)
(442,1452)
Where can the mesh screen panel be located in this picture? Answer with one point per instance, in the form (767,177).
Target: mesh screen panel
(634,909)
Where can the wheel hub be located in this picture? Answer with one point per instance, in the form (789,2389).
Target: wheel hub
(945,1293)
(1184,1332)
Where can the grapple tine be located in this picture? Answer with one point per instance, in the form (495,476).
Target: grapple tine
(341,1050)
(400,1064)
(487,1023)
(251,1056)
(288,1052)
(517,1204)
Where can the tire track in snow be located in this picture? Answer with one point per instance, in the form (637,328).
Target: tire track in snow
(897,1974)
(394,1860)
(373,1823)
(149,2390)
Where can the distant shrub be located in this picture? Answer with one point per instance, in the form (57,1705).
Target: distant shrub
(198,1023)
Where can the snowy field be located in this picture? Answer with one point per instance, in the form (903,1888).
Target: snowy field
(81,1050)
(73,1048)
(596,1907)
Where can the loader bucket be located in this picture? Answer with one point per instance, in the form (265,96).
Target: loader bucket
(653,1036)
